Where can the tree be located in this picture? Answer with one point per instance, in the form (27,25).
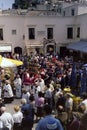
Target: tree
(23,4)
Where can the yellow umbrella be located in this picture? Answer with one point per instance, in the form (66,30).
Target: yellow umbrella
(7,62)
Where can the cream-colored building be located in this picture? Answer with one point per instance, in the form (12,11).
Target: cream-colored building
(74,9)
(23,31)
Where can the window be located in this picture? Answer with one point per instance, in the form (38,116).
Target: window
(72,12)
(64,13)
(49,33)
(59,10)
(31,33)
(70,33)
(78,32)
(1,34)
(14,32)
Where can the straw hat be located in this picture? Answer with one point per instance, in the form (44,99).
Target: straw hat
(67,90)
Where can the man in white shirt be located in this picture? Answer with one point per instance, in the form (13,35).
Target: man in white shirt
(7,119)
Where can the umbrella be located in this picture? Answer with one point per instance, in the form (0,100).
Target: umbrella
(7,62)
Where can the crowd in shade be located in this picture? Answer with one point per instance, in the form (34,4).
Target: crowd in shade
(52,92)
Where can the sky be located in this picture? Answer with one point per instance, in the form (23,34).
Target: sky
(5,4)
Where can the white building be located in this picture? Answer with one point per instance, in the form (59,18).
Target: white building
(23,31)
(74,9)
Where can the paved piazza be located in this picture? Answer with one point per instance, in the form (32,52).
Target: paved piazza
(10,108)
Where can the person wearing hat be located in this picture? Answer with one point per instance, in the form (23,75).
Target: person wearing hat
(69,101)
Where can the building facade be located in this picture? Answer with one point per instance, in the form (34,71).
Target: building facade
(23,31)
(75,9)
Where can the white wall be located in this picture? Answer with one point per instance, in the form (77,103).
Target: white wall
(68,10)
(82,21)
(9,23)
(82,10)
(58,23)
(22,23)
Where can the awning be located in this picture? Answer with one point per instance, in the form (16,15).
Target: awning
(78,46)
(35,46)
(5,48)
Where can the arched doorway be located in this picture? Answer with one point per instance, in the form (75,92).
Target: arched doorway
(49,46)
(50,49)
(18,50)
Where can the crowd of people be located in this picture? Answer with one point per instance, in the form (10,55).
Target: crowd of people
(43,84)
